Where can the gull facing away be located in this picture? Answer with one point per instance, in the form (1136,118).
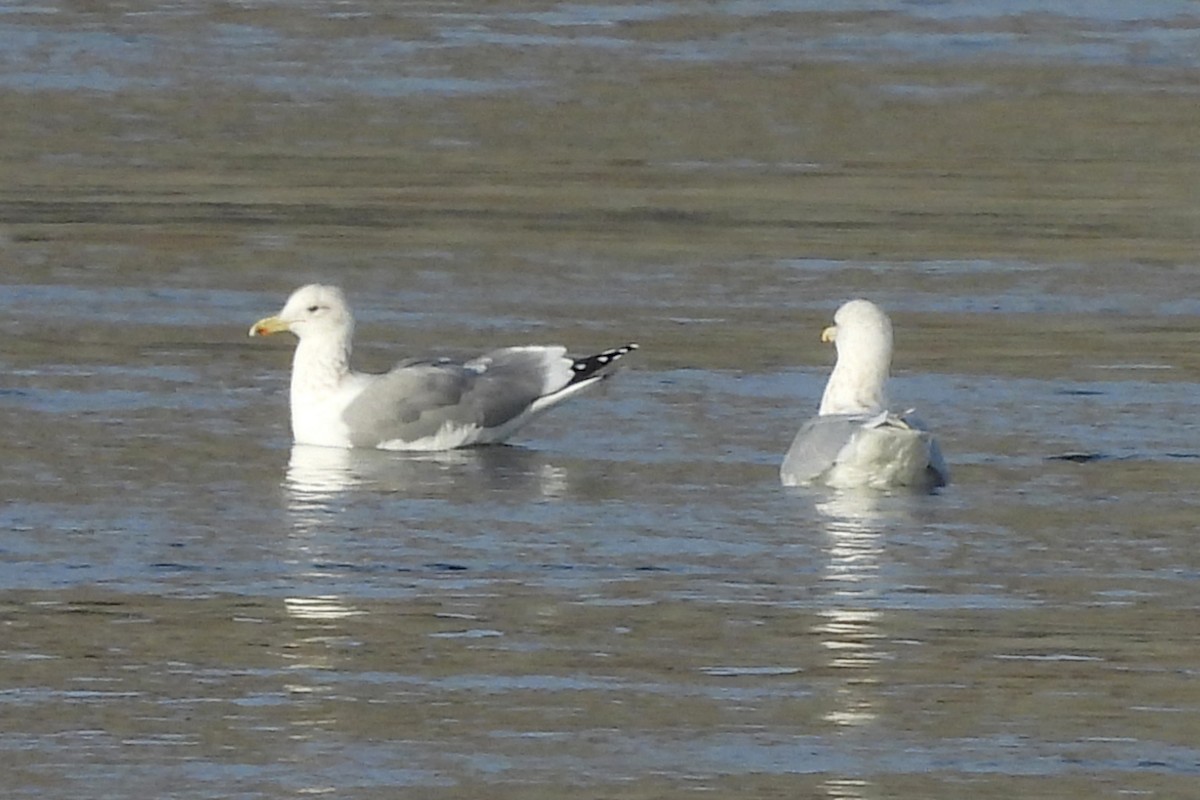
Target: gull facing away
(421,404)
(854,441)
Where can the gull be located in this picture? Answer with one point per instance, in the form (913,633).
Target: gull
(421,404)
(854,441)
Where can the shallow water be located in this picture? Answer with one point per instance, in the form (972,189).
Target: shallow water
(623,602)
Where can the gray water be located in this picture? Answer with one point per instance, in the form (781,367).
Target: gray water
(623,602)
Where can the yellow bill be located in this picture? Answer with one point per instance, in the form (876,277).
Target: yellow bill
(267,326)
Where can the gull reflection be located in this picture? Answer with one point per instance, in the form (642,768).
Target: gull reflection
(321,479)
(852,525)
(322,608)
(849,789)
(356,519)
(849,628)
(316,643)
(352,516)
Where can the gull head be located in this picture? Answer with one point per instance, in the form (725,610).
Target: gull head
(860,326)
(862,334)
(313,310)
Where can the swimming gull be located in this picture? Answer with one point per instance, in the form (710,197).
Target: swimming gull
(854,441)
(421,404)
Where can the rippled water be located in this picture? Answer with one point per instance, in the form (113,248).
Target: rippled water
(624,601)
(286,46)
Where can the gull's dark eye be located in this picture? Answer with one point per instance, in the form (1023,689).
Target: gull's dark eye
(313,309)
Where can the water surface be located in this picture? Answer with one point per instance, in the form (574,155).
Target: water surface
(623,602)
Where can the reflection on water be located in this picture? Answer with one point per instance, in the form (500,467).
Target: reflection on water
(848,789)
(850,628)
(321,480)
(853,527)
(323,607)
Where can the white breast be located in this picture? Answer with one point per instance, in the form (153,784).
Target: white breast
(317,415)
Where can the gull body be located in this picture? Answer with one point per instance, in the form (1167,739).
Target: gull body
(855,441)
(421,404)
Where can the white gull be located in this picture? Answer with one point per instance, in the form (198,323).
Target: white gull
(421,404)
(854,441)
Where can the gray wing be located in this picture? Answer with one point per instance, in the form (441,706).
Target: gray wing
(937,472)
(816,446)
(417,398)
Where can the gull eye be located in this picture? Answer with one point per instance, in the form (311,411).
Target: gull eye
(313,309)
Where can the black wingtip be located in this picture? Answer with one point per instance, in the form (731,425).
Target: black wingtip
(588,366)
